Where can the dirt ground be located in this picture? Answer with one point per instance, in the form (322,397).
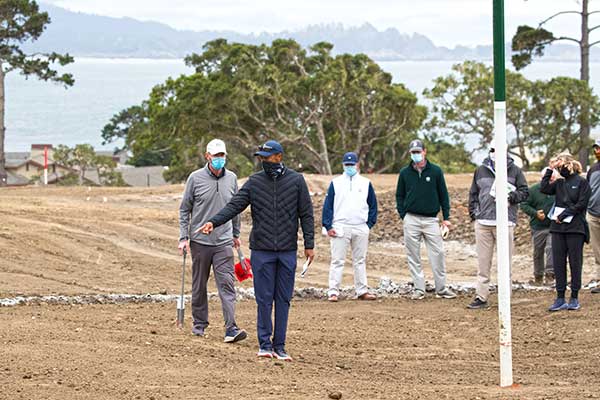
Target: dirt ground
(73,241)
(391,349)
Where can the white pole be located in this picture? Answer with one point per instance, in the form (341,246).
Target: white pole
(45,176)
(502,253)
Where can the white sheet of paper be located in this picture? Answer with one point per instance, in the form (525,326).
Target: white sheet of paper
(305,268)
(557,212)
(510,188)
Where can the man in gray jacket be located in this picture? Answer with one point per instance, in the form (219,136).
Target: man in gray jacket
(482,209)
(207,191)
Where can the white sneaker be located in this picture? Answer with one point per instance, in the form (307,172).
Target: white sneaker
(417,295)
(445,293)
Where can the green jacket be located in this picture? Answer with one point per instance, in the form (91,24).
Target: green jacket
(422,193)
(537,201)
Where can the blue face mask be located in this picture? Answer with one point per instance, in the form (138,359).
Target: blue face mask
(416,157)
(350,170)
(218,162)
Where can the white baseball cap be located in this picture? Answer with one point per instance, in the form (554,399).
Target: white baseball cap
(216,146)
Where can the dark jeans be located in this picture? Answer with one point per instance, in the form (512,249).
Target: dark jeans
(567,245)
(274,274)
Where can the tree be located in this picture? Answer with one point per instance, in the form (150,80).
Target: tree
(543,117)
(22,21)
(317,105)
(82,158)
(107,176)
(529,42)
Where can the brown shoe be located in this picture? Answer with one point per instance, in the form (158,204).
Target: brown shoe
(333,298)
(367,296)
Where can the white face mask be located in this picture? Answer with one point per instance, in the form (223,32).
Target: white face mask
(493,156)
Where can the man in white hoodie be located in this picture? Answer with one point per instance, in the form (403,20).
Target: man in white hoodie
(349,212)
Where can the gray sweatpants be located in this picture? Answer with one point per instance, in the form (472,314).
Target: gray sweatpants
(416,228)
(542,245)
(221,258)
(485,243)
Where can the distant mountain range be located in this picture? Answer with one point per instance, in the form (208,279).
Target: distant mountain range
(86,35)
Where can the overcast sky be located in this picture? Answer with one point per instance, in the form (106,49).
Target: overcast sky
(446,22)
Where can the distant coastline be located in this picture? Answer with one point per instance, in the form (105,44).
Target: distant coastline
(124,38)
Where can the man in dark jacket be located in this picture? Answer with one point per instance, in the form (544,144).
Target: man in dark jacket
(279,200)
(420,195)
(482,209)
(537,206)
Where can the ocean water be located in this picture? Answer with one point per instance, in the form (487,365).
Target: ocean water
(42,112)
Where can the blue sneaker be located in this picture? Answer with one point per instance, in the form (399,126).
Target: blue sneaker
(235,334)
(559,304)
(574,305)
(280,354)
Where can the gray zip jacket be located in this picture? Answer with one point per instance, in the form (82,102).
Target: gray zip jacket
(482,206)
(204,196)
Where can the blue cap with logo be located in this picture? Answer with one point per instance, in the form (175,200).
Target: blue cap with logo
(350,159)
(269,148)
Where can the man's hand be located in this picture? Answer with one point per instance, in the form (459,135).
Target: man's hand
(447,224)
(237,243)
(309,254)
(331,233)
(207,228)
(184,244)
(540,215)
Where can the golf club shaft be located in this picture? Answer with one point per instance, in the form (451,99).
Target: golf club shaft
(181,302)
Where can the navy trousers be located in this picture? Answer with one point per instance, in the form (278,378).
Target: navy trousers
(274,273)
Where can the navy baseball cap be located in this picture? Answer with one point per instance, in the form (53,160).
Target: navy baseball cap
(350,159)
(269,148)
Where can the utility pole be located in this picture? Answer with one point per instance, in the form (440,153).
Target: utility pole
(502,232)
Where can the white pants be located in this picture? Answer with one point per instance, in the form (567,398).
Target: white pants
(358,238)
(416,228)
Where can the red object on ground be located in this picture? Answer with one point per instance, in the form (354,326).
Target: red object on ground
(243,269)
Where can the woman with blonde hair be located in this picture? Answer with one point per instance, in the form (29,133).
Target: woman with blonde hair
(568,227)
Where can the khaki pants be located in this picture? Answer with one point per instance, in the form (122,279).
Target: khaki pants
(485,242)
(416,229)
(594,223)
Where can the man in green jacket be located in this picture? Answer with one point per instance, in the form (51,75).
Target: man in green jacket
(537,207)
(420,195)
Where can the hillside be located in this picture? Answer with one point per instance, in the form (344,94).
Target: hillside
(86,35)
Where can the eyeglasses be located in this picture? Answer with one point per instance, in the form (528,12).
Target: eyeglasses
(264,147)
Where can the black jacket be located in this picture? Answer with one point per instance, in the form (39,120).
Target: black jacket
(277,205)
(572,194)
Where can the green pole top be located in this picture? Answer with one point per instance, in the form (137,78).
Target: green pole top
(499,52)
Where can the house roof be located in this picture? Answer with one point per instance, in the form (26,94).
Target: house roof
(41,146)
(16,179)
(139,176)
